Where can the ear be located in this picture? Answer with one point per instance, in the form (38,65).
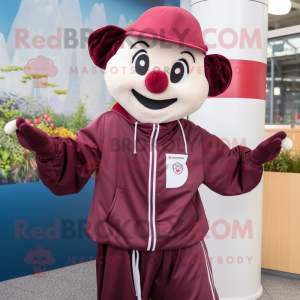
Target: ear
(104,43)
(218,73)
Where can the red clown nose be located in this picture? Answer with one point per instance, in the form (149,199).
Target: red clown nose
(157,82)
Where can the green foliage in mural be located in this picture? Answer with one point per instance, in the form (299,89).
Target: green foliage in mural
(9,109)
(49,84)
(60,92)
(11,69)
(27,77)
(78,120)
(32,108)
(18,165)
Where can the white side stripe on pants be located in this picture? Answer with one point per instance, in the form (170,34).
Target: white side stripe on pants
(136,274)
(211,282)
(210,270)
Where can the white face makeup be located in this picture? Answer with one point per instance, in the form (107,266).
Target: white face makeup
(187,87)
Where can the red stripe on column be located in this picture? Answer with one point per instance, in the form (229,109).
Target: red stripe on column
(248,80)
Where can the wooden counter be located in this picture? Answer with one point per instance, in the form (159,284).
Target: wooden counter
(281,222)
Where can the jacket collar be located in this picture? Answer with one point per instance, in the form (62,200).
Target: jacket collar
(144,130)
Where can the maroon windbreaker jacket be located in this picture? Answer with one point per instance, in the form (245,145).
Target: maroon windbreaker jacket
(147,178)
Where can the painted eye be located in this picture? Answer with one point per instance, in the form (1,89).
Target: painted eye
(36,68)
(140,62)
(45,68)
(179,71)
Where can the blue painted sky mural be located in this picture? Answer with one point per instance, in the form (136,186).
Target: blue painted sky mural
(34,38)
(43,19)
(131,9)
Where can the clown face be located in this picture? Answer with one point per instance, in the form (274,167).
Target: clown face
(155,81)
(158,68)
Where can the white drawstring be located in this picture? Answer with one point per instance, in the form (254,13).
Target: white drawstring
(186,152)
(136,274)
(135,133)
(135,130)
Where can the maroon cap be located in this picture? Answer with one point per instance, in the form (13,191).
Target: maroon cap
(169,24)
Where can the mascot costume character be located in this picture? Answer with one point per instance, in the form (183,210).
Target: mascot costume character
(146,215)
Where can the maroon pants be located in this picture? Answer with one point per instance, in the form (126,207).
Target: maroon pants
(183,274)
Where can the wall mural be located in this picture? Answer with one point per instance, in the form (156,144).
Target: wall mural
(46,74)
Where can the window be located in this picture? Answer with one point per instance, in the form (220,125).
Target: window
(283,81)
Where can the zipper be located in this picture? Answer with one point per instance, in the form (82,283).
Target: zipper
(149,191)
(152,187)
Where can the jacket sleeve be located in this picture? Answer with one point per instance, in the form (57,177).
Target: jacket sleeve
(73,162)
(228,172)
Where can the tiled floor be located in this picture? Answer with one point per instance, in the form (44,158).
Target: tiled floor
(79,282)
(280,288)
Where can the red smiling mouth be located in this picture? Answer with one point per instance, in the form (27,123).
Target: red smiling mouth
(153,104)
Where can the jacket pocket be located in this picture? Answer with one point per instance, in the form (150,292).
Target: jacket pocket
(127,220)
(113,204)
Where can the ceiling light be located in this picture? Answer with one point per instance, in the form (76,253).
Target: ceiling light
(277,91)
(279,7)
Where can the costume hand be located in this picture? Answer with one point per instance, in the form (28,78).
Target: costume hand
(31,138)
(270,148)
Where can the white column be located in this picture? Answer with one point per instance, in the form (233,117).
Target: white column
(238,30)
